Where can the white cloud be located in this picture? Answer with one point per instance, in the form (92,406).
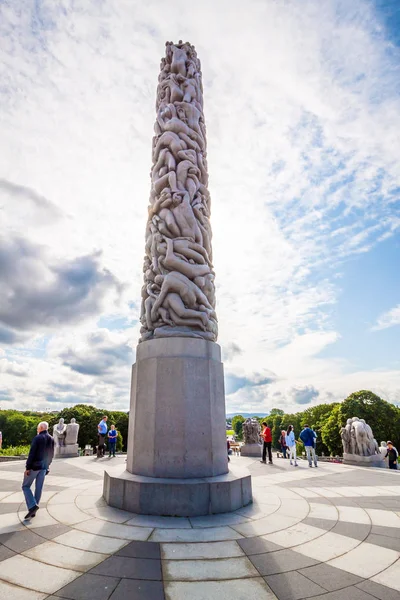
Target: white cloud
(302,116)
(388,319)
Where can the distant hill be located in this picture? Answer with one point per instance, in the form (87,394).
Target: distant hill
(246,415)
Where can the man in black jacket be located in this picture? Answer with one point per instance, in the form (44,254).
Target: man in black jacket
(37,466)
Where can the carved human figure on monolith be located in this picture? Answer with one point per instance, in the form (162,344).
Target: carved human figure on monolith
(178,295)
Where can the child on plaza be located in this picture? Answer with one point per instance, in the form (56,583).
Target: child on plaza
(112,440)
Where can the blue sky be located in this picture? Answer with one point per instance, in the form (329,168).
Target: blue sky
(369,286)
(302,104)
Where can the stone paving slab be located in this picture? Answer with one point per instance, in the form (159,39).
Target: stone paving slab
(208,570)
(5,553)
(141,550)
(12,592)
(293,586)
(58,555)
(379,591)
(222,590)
(131,568)
(330,578)
(201,550)
(89,587)
(282,561)
(25,572)
(329,533)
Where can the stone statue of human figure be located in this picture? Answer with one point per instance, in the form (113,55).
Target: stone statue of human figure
(59,432)
(72,430)
(251,431)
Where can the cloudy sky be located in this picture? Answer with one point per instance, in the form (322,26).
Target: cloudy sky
(302,103)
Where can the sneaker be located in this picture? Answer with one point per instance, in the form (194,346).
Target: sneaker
(264,462)
(315,466)
(32,512)
(291,462)
(270,462)
(310,466)
(296,465)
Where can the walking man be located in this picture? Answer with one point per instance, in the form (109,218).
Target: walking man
(102,432)
(267,444)
(37,467)
(308,438)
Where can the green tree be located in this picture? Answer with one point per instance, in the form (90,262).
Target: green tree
(330,432)
(237,426)
(276,411)
(277,429)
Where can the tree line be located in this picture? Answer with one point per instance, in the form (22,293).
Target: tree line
(327,420)
(18,428)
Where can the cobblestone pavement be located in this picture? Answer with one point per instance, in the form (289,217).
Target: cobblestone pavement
(331,533)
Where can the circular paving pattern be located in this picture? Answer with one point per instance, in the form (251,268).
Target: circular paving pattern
(331,532)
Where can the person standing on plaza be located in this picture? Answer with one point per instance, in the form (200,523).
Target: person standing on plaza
(392,455)
(102,433)
(267,444)
(37,467)
(291,444)
(308,438)
(112,441)
(282,441)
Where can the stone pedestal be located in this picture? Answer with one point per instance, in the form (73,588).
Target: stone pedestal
(177,448)
(376,460)
(178,497)
(67,451)
(253,450)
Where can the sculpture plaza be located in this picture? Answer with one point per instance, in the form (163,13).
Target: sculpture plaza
(171,521)
(331,533)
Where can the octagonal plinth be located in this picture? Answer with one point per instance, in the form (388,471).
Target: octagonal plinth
(178,497)
(177,425)
(177,462)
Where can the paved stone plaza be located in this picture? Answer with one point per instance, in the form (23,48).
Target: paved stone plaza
(330,533)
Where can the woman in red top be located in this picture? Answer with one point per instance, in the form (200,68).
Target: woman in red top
(267,445)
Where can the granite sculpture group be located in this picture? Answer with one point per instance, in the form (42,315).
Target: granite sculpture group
(66,438)
(251,438)
(359,444)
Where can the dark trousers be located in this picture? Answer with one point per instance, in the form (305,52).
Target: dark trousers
(102,446)
(392,464)
(267,445)
(111,447)
(284,451)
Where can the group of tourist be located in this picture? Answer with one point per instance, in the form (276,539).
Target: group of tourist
(287,442)
(103,434)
